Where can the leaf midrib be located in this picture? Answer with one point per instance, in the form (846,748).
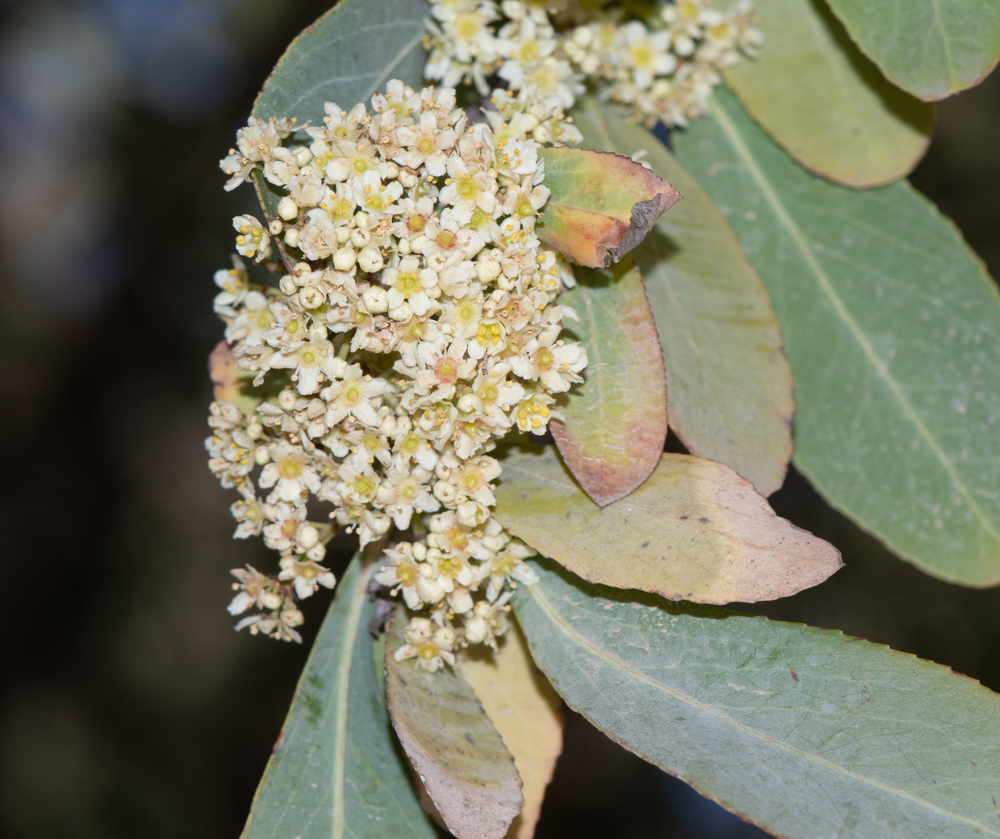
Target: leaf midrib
(340,704)
(953,83)
(823,281)
(613,661)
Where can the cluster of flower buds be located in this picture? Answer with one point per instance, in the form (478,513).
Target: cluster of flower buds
(664,67)
(414,324)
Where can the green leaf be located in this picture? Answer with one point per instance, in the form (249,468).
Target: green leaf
(337,770)
(464,765)
(826,103)
(932,48)
(729,386)
(804,731)
(616,422)
(893,330)
(694,531)
(601,206)
(346,57)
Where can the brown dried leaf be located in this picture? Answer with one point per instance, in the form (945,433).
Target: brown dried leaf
(457,753)
(616,422)
(527,713)
(602,205)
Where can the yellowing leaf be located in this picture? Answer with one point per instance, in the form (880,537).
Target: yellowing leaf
(824,102)
(231,383)
(729,384)
(694,531)
(616,422)
(527,713)
(601,206)
(467,771)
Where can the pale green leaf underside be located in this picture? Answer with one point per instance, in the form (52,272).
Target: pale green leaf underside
(932,48)
(346,57)
(802,730)
(729,386)
(893,330)
(828,105)
(337,770)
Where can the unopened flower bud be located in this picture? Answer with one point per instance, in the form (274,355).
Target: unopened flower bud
(436,262)
(360,238)
(407,179)
(470,513)
(288,209)
(376,299)
(254,430)
(403,246)
(370,260)
(401,313)
(316,553)
(292,237)
(308,536)
(361,220)
(388,426)
(476,630)
(583,36)
(287,285)
(343,235)
(261,455)
(487,269)
(344,259)
(272,600)
(275,227)
(444,492)
(292,617)
(311,297)
(287,398)
(460,600)
(391,171)
(303,156)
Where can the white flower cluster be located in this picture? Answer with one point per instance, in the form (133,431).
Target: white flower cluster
(664,66)
(418,326)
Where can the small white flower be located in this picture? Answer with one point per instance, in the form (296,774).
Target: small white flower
(354,394)
(292,471)
(253,240)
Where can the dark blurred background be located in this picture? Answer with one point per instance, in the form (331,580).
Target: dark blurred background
(129,707)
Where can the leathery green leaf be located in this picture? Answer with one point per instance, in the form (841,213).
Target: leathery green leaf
(827,104)
(337,770)
(601,205)
(615,423)
(695,530)
(334,61)
(804,731)
(729,385)
(893,330)
(932,48)
(463,763)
